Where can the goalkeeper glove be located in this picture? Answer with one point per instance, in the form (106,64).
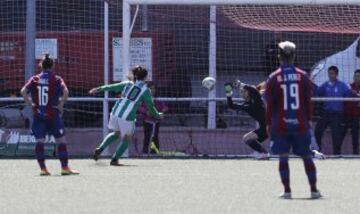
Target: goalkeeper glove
(238,84)
(228,89)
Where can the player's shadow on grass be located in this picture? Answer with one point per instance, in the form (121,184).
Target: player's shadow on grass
(107,164)
(62,176)
(307,199)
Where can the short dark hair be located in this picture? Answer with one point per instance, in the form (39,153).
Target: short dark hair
(47,62)
(334,68)
(139,72)
(357,71)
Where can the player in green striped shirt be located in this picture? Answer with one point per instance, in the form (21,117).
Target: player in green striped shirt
(123,114)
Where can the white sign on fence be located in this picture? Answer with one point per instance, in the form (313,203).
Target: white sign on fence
(43,46)
(140,54)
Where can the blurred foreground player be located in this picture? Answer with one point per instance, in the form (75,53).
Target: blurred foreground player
(48,95)
(254,106)
(288,117)
(123,114)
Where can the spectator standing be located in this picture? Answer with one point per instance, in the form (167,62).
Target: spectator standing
(352,114)
(332,110)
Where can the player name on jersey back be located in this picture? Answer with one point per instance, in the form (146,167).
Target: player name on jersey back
(289,77)
(44,81)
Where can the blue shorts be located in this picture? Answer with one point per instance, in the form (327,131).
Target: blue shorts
(299,143)
(42,126)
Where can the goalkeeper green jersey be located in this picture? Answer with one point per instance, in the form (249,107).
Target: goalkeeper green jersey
(132,95)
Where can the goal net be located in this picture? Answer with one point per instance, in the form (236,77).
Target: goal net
(72,32)
(179,44)
(242,41)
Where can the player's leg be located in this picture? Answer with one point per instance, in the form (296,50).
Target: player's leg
(301,146)
(39,131)
(355,135)
(57,129)
(314,147)
(155,137)
(127,129)
(281,147)
(147,136)
(120,150)
(284,172)
(109,138)
(310,170)
(252,140)
(64,156)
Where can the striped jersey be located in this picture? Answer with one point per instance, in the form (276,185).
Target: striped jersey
(45,88)
(132,95)
(288,101)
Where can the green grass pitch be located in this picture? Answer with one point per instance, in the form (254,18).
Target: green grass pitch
(176,186)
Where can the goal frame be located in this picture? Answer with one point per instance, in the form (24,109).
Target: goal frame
(126,28)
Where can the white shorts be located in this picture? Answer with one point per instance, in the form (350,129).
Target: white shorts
(125,127)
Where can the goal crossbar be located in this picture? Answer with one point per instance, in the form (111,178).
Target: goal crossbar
(243,2)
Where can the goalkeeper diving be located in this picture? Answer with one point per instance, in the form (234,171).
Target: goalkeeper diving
(255,107)
(123,114)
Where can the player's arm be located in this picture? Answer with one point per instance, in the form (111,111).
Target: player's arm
(261,87)
(230,103)
(64,97)
(229,92)
(25,92)
(236,106)
(149,102)
(116,87)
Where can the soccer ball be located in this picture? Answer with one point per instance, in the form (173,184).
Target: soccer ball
(209,83)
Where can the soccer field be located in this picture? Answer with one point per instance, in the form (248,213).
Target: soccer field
(177,186)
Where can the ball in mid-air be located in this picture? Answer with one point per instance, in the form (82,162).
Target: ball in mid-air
(209,83)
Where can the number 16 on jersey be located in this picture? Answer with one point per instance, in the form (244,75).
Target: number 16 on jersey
(43,92)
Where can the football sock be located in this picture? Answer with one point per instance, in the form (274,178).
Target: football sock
(255,145)
(285,173)
(40,156)
(310,170)
(120,150)
(63,154)
(109,139)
